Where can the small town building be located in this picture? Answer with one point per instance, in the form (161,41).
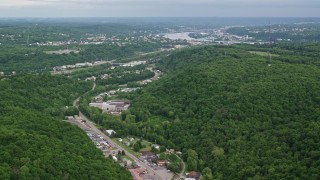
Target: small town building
(69,118)
(193,174)
(110,132)
(137,173)
(146,153)
(169,151)
(114,106)
(115,158)
(162,163)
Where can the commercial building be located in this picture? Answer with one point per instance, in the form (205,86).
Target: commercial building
(114,106)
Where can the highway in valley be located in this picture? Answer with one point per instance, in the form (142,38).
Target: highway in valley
(86,124)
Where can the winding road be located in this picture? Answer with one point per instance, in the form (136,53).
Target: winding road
(181,174)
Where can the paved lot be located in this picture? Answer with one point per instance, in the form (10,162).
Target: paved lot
(108,146)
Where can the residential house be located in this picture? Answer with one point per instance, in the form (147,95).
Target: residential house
(149,156)
(69,118)
(137,173)
(145,154)
(193,174)
(162,163)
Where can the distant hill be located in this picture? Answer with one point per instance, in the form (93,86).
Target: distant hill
(244,115)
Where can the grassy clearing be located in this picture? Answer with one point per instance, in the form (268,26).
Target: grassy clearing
(126,147)
(147,144)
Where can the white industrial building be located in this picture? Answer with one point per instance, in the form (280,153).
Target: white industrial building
(112,106)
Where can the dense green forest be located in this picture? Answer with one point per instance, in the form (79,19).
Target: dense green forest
(36,143)
(235,112)
(242,115)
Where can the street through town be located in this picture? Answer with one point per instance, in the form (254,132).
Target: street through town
(89,124)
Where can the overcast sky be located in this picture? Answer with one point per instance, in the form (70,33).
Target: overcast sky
(160,8)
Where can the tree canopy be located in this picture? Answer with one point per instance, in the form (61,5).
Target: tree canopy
(244,115)
(36,143)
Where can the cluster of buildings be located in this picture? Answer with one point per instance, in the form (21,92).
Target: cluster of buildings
(153,159)
(133,63)
(94,39)
(64,51)
(54,43)
(98,100)
(112,107)
(78,65)
(217,36)
(220,36)
(128,90)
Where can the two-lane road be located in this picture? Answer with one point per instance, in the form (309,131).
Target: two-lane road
(91,125)
(97,131)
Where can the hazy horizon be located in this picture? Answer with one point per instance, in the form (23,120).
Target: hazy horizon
(157,8)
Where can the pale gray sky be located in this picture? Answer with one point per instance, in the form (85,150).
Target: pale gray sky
(159,8)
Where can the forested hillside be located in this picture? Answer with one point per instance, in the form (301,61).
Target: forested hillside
(238,113)
(35,143)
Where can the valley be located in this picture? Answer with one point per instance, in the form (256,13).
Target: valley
(200,98)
